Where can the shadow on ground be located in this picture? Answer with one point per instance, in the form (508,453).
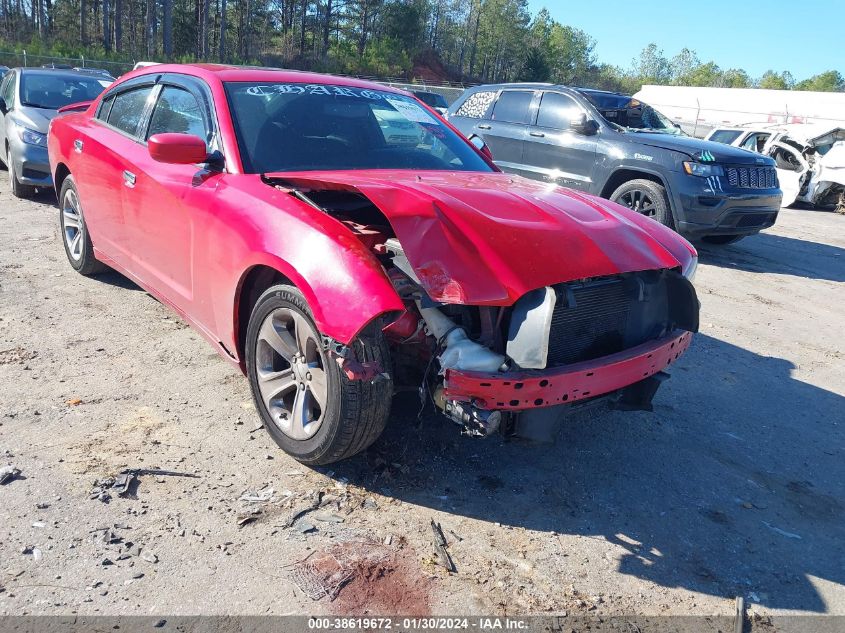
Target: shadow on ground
(768,253)
(746,498)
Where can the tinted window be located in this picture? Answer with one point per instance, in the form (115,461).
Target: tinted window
(177,110)
(51,92)
(476,105)
(725,136)
(105,108)
(128,108)
(432,99)
(556,111)
(512,106)
(289,126)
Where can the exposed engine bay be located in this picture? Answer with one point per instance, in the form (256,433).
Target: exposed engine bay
(470,360)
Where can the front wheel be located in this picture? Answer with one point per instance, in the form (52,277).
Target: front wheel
(646,197)
(307,404)
(19,190)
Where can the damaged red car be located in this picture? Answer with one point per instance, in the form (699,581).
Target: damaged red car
(337,239)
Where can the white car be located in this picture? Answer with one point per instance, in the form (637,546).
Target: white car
(809,157)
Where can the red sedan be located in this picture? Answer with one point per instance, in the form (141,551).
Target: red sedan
(336,238)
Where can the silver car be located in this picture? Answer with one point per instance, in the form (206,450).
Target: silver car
(29,99)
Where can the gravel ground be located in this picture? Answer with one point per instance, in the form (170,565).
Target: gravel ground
(734,486)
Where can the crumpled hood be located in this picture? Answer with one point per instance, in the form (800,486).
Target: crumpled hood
(36,119)
(479,238)
(707,151)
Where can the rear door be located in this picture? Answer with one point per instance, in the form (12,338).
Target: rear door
(104,150)
(506,128)
(555,153)
(7,92)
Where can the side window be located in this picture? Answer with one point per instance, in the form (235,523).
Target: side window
(105,108)
(8,90)
(128,109)
(476,105)
(512,106)
(177,110)
(556,111)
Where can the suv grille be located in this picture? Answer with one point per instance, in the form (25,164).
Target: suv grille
(752,177)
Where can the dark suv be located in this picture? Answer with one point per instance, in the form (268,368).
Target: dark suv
(622,149)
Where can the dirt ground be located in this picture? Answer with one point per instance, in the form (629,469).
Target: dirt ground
(734,486)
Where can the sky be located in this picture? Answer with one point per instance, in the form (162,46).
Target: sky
(803,37)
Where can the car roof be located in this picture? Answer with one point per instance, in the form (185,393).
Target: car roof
(228,73)
(60,72)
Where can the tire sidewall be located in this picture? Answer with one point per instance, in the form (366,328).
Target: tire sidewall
(80,264)
(662,213)
(312,449)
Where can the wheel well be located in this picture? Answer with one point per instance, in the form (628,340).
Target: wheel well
(254,283)
(62,172)
(624,175)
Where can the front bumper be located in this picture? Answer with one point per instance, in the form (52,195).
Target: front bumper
(32,164)
(532,389)
(701,209)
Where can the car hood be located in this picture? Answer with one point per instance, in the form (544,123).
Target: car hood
(36,119)
(706,151)
(479,238)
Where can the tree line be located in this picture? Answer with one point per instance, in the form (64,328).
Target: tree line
(459,40)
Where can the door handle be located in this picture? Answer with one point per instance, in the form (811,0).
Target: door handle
(78,145)
(537,134)
(128,179)
(483,126)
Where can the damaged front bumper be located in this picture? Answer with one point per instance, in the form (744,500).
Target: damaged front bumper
(532,389)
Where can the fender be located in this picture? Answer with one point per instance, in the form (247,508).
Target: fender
(674,203)
(342,281)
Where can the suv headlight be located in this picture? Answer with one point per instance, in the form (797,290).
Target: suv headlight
(702,169)
(31,137)
(688,271)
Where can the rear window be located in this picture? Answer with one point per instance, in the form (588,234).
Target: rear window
(725,136)
(432,99)
(512,106)
(476,105)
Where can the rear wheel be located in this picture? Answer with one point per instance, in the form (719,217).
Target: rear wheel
(722,240)
(19,190)
(646,197)
(78,247)
(308,405)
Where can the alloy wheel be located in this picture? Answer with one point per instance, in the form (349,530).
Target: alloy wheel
(291,372)
(72,225)
(639,201)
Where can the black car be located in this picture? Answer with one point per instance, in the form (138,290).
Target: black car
(432,99)
(620,148)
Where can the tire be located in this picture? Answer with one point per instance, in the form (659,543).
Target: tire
(19,190)
(722,240)
(74,233)
(646,197)
(354,412)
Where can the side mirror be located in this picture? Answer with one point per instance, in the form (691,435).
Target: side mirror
(581,124)
(177,149)
(481,146)
(4,109)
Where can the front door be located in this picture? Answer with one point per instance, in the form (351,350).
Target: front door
(556,153)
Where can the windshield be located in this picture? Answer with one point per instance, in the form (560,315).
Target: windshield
(304,127)
(432,99)
(630,115)
(52,92)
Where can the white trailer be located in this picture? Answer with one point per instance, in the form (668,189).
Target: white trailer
(698,110)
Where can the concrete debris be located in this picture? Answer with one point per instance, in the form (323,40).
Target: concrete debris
(328,518)
(306,527)
(149,556)
(245,518)
(260,496)
(8,474)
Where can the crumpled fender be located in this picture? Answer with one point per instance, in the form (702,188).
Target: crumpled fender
(343,282)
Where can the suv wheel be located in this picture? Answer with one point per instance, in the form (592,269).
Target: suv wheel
(645,197)
(308,405)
